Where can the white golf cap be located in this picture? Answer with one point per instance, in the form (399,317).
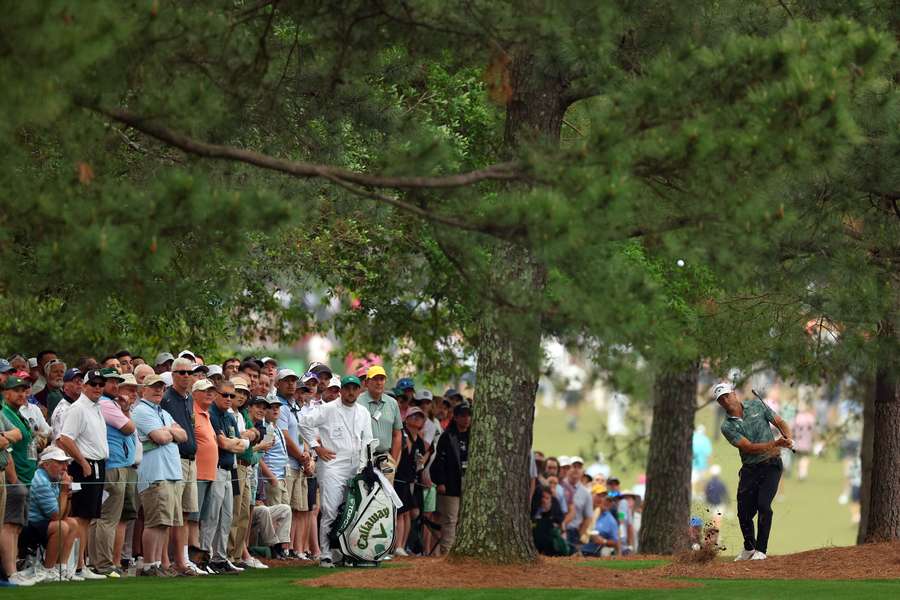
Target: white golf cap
(202,385)
(187,354)
(214,370)
(167,378)
(720,389)
(335,381)
(284,374)
(564,461)
(163,357)
(576,459)
(54,453)
(268,359)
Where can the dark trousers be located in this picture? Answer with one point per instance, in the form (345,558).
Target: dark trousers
(756,490)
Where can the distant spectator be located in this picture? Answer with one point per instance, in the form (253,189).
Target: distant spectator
(547,525)
(448,471)
(716,494)
(604,537)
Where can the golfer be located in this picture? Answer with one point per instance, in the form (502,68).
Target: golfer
(747,427)
(337,432)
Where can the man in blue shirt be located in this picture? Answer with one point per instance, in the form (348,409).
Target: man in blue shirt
(48,523)
(604,538)
(159,475)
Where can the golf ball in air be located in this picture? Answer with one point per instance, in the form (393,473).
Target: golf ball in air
(680,262)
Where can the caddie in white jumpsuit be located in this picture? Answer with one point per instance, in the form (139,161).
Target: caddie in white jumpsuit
(338,432)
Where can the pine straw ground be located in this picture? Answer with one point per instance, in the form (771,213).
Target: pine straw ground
(873,561)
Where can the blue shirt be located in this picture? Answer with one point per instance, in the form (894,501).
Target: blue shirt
(287,421)
(276,458)
(43,500)
(159,462)
(702,448)
(607,527)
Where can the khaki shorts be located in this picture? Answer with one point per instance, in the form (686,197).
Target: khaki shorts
(276,494)
(188,487)
(161,504)
(130,506)
(297,489)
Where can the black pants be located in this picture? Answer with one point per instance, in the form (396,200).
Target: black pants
(756,490)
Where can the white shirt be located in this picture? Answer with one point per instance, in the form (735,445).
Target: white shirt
(59,417)
(34,417)
(430,430)
(345,430)
(84,424)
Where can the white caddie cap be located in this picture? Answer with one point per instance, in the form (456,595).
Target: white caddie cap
(720,389)
(335,381)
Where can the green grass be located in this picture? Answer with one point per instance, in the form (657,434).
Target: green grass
(278,584)
(807,514)
(624,565)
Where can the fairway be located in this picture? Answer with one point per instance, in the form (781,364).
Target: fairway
(807,514)
(282,583)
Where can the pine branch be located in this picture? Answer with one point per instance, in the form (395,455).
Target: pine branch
(508,171)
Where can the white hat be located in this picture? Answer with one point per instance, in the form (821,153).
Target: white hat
(266,359)
(576,459)
(54,453)
(167,378)
(214,370)
(720,389)
(284,374)
(32,363)
(564,461)
(335,381)
(128,379)
(187,354)
(715,470)
(202,385)
(163,357)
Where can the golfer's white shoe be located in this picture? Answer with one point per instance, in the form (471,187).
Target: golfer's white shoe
(758,556)
(744,555)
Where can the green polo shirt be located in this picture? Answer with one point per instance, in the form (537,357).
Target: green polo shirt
(248,455)
(385,418)
(755,427)
(25,466)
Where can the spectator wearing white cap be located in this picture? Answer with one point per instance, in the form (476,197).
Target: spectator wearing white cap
(307,542)
(285,385)
(158,475)
(49,525)
(332,390)
(579,518)
(246,460)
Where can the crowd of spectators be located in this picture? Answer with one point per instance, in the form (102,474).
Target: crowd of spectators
(176,468)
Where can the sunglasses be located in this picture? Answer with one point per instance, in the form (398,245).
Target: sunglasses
(96,383)
(183,372)
(228,395)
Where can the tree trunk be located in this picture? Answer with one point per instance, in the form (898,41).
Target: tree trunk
(494,518)
(867,452)
(667,510)
(884,502)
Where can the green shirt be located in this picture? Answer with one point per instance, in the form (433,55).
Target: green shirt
(248,455)
(24,454)
(754,427)
(385,418)
(5,425)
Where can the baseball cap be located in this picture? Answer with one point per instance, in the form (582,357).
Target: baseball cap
(613,481)
(268,359)
(24,375)
(335,381)
(5,367)
(54,453)
(202,385)
(187,354)
(128,379)
(13,382)
(214,370)
(425,396)
(415,410)
(69,375)
(598,488)
(198,368)
(696,522)
(93,374)
(461,408)
(405,384)
(720,390)
(350,379)
(284,374)
(273,401)
(362,372)
(576,459)
(375,371)
(110,373)
(257,400)
(318,367)
(163,357)
(167,378)
(564,461)
(307,377)
(451,393)
(152,380)
(240,383)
